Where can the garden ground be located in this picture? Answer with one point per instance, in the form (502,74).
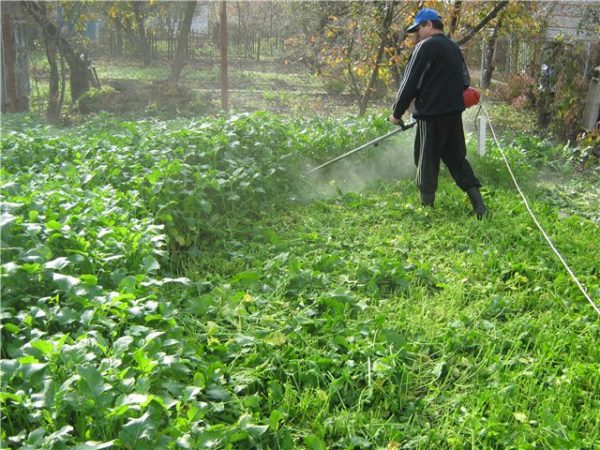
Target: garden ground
(181,284)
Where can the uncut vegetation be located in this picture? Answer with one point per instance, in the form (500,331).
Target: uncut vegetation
(181,284)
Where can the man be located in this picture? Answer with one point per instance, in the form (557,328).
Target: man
(435,78)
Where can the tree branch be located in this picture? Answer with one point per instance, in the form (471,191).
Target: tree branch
(491,15)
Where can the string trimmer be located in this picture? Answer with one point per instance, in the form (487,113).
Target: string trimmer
(374,142)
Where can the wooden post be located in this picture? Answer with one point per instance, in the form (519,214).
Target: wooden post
(223,45)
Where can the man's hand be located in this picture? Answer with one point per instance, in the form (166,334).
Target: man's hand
(395,121)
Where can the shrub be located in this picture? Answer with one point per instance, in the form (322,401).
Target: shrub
(96,100)
(520,90)
(334,86)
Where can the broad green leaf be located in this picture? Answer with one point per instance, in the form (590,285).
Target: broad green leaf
(10,268)
(122,344)
(30,365)
(312,442)
(90,280)
(256,430)
(59,436)
(92,381)
(46,347)
(57,263)
(94,445)
(65,281)
(189,393)
(16,398)
(151,265)
(152,336)
(6,220)
(53,225)
(32,268)
(11,328)
(145,364)
(274,419)
(137,431)
(218,393)
(9,367)
(137,399)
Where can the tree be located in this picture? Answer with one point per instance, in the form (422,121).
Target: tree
(386,13)
(184,35)
(498,6)
(15,67)
(488,56)
(79,69)
(53,112)
(454,18)
(131,17)
(513,18)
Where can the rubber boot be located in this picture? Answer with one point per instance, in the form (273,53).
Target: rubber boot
(477,201)
(427,199)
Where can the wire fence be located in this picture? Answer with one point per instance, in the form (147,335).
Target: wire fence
(263,73)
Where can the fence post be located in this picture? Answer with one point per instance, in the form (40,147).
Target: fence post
(482,135)
(482,121)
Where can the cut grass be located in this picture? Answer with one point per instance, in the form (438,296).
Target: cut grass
(345,317)
(471,335)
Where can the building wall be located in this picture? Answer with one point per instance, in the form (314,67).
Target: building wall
(565,17)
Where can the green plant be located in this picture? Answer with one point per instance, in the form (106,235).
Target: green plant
(520,90)
(356,321)
(564,100)
(334,86)
(96,100)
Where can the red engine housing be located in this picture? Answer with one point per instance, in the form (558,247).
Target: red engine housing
(471,97)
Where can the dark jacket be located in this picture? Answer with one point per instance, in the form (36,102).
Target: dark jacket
(435,77)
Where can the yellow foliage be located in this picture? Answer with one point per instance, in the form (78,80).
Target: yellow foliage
(361,71)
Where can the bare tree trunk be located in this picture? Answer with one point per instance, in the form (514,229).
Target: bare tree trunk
(119,39)
(63,83)
(9,61)
(78,67)
(488,58)
(141,32)
(53,112)
(385,29)
(258,46)
(239,30)
(184,35)
(15,67)
(223,46)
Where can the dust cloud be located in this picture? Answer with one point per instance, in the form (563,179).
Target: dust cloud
(390,161)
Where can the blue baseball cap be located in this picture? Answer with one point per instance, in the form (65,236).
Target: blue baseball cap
(423,16)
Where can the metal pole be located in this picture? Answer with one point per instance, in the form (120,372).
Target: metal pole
(374,141)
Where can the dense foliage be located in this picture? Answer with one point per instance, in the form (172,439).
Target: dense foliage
(361,321)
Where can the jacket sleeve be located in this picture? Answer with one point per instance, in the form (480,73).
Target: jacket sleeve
(417,64)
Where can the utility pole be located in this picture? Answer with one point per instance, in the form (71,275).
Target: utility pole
(223,42)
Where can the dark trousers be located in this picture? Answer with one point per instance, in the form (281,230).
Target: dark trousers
(442,138)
